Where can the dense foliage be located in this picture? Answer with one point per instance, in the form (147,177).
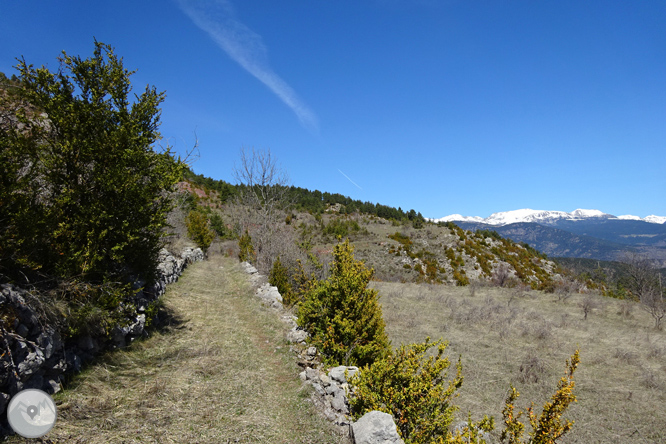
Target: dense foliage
(83,191)
(411,386)
(199,230)
(315,202)
(342,315)
(246,249)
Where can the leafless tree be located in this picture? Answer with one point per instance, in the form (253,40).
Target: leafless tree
(645,283)
(261,203)
(588,304)
(501,275)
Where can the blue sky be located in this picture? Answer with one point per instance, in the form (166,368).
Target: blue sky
(459,106)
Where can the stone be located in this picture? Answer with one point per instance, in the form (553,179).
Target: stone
(49,341)
(52,386)
(22,330)
(297,335)
(137,327)
(319,389)
(339,402)
(86,342)
(333,389)
(311,352)
(74,363)
(311,374)
(4,400)
(248,268)
(325,380)
(375,428)
(338,373)
(118,335)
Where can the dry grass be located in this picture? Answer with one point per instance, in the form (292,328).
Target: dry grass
(222,373)
(523,338)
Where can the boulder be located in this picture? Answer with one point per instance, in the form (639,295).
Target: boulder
(338,373)
(375,428)
(297,335)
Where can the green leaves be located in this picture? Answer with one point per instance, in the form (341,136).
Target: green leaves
(100,202)
(342,315)
(412,386)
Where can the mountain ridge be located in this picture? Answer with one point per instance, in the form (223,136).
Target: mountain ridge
(546,217)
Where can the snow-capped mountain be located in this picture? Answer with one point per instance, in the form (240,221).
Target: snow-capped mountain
(545,217)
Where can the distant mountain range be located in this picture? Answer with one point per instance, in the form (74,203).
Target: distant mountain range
(581,233)
(546,217)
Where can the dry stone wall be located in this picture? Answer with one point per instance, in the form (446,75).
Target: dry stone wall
(331,387)
(34,355)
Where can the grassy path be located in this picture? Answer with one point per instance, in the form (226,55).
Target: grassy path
(222,374)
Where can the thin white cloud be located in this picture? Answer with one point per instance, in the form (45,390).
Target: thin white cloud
(218,19)
(349,179)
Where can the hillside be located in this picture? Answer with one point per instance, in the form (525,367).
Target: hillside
(407,249)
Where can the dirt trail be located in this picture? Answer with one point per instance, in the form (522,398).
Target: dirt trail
(221,373)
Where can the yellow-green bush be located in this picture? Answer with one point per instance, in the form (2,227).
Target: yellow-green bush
(199,230)
(549,426)
(412,385)
(342,315)
(246,252)
(413,388)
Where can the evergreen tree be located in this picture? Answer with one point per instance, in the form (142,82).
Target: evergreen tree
(342,315)
(199,230)
(78,137)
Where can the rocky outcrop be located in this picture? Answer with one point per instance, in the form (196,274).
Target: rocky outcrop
(33,353)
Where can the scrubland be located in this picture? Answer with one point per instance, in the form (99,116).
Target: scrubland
(507,336)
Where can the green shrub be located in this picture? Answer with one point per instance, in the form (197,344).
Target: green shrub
(217,224)
(82,191)
(246,252)
(413,388)
(341,228)
(199,230)
(342,315)
(279,277)
(94,309)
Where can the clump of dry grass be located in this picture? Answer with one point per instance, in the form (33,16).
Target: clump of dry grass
(509,336)
(221,372)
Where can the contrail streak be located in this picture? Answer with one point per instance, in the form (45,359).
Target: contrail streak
(245,47)
(350,180)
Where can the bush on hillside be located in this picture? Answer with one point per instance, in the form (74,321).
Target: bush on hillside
(199,230)
(246,253)
(549,426)
(279,277)
(342,315)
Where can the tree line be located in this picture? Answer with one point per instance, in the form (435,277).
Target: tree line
(315,202)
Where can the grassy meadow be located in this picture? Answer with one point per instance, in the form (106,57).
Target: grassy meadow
(507,336)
